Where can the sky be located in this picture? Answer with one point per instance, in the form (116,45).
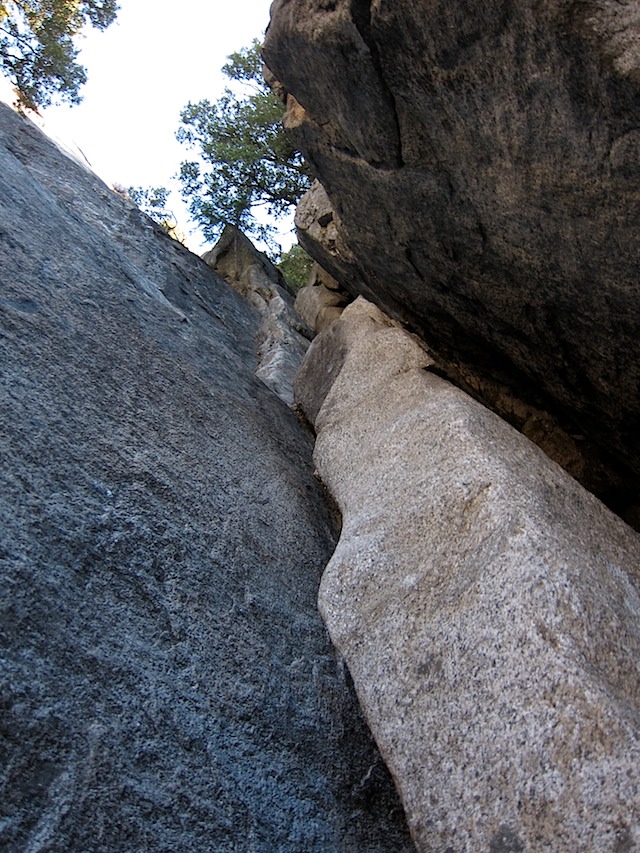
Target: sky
(142,71)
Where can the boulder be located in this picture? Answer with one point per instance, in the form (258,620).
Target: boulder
(318,306)
(167,683)
(319,275)
(488,607)
(482,182)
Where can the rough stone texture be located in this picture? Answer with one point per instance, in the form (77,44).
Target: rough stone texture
(487,606)
(318,275)
(318,306)
(481,162)
(319,233)
(281,340)
(167,684)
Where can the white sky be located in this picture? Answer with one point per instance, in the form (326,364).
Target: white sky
(142,71)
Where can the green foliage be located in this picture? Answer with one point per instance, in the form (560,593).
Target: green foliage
(37,51)
(153,202)
(245,163)
(295,265)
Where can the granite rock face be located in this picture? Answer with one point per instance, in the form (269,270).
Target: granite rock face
(481,166)
(282,341)
(167,683)
(318,306)
(487,606)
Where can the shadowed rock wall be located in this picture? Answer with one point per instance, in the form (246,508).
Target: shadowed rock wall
(481,160)
(167,683)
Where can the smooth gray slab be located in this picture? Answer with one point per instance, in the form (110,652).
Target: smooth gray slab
(166,681)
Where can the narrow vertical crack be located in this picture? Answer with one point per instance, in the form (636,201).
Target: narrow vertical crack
(361,16)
